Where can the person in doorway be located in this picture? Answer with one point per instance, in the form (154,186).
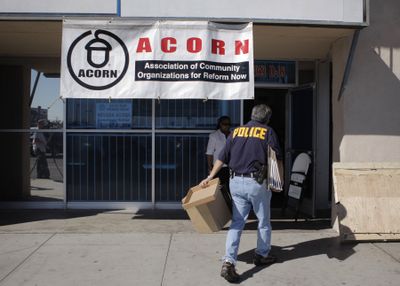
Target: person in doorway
(39,144)
(245,152)
(216,143)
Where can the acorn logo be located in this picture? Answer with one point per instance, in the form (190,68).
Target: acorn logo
(97,60)
(98,46)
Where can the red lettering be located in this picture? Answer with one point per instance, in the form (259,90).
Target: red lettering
(217,47)
(194,45)
(239,46)
(143,46)
(168,45)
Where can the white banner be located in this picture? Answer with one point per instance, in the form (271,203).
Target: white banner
(163,59)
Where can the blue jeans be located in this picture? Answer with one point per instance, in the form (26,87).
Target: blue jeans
(247,193)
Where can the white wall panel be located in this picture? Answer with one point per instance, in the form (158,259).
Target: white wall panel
(353,9)
(59,7)
(282,11)
(346,11)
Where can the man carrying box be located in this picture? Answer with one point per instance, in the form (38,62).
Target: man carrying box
(246,153)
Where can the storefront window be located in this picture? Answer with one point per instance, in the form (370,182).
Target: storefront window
(114,166)
(194,113)
(105,114)
(32,138)
(32,170)
(180,164)
(108,167)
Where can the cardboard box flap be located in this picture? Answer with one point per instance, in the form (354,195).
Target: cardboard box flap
(198,195)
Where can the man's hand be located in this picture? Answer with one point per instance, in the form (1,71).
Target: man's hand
(205,182)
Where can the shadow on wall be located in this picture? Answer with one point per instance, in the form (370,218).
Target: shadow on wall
(372,94)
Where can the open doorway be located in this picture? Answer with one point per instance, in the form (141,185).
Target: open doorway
(293,120)
(276,99)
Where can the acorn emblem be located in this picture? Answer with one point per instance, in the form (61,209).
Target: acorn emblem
(99,47)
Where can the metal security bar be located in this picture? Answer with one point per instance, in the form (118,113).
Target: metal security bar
(180,164)
(126,165)
(108,167)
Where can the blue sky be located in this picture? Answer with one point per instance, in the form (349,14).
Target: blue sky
(48,91)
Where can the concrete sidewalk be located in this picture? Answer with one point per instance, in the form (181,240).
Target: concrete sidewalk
(150,248)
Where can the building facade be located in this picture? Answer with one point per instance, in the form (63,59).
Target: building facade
(341,105)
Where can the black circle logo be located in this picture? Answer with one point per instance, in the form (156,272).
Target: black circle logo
(103,66)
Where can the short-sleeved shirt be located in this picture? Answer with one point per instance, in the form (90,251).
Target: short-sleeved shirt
(247,145)
(216,143)
(39,142)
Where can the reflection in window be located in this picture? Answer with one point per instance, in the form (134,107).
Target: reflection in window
(32,166)
(105,114)
(46,165)
(108,167)
(194,113)
(45,102)
(180,164)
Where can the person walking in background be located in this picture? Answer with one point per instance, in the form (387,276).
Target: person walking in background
(216,143)
(39,144)
(246,152)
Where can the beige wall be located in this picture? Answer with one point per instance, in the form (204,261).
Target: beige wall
(366,121)
(340,52)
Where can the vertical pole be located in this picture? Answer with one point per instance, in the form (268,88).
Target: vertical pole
(241,111)
(153,153)
(65,153)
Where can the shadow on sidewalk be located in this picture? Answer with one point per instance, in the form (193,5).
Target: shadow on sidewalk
(277,224)
(161,214)
(330,246)
(284,224)
(10,217)
(288,224)
(14,216)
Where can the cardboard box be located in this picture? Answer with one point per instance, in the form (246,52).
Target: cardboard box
(207,208)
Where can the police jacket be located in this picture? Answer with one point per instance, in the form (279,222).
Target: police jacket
(247,145)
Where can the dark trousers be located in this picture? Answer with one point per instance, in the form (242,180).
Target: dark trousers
(223,176)
(42,169)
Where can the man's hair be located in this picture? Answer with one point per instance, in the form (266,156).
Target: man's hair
(222,118)
(261,113)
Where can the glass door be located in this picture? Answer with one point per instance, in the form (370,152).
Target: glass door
(31,135)
(300,139)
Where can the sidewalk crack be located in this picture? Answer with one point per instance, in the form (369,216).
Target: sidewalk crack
(166,259)
(26,258)
(383,250)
